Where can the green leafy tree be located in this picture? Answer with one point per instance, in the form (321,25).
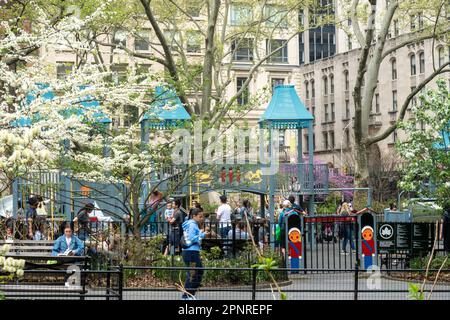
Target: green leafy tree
(426,160)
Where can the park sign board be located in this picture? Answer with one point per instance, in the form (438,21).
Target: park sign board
(403,236)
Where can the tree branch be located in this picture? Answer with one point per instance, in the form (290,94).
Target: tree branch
(408,99)
(170,62)
(355,23)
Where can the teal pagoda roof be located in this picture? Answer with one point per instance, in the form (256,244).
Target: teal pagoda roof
(446,138)
(166,110)
(285,110)
(46,94)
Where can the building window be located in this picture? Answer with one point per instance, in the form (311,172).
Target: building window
(193,8)
(441,56)
(325,86)
(420,18)
(244,96)
(347,109)
(143,71)
(394,69)
(394,136)
(331,139)
(332,112)
(349,42)
(412,62)
(242,49)
(275,16)
(281,56)
(193,41)
(331,84)
(325,140)
(412,22)
(141,41)
(63,69)
(172,39)
(119,73)
(276,82)
(377,103)
(422,62)
(240,14)
(325,107)
(307,90)
(120,38)
(347,83)
(347,138)
(396,28)
(394,100)
(313,89)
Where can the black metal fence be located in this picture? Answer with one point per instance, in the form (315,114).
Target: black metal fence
(166,283)
(327,243)
(69,284)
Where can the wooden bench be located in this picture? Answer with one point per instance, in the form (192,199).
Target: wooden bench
(40,291)
(29,246)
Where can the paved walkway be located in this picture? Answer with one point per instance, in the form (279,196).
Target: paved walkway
(337,286)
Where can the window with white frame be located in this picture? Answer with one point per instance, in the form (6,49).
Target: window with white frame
(242,49)
(412,63)
(193,41)
(120,38)
(243,98)
(280,56)
(394,69)
(240,14)
(63,69)
(275,16)
(422,62)
(141,40)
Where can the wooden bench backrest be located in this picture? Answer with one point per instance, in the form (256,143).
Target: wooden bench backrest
(29,245)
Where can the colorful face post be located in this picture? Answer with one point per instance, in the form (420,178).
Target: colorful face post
(368,246)
(295,247)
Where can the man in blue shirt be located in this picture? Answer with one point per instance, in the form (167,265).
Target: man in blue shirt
(192,237)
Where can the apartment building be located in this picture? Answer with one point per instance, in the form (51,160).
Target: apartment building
(321,62)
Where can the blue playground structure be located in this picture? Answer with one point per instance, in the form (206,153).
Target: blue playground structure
(285,111)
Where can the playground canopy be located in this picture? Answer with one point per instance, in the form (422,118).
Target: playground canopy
(446,138)
(165,111)
(45,93)
(285,110)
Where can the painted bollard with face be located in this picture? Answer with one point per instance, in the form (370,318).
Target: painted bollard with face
(295,247)
(368,246)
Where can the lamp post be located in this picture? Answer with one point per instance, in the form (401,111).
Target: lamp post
(342,138)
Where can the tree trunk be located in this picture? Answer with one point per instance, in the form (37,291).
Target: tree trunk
(362,165)
(208,61)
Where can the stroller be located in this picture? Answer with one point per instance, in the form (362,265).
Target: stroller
(327,233)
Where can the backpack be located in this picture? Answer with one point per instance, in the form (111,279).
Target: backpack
(183,242)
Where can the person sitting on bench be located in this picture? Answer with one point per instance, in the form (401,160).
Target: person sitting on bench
(68,244)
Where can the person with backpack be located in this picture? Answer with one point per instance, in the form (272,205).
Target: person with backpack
(287,209)
(83,220)
(295,206)
(246,211)
(190,243)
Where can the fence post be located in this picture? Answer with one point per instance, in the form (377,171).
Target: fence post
(108,282)
(355,293)
(254,274)
(120,281)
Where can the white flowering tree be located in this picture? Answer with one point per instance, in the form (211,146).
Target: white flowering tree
(424,153)
(9,268)
(48,123)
